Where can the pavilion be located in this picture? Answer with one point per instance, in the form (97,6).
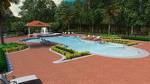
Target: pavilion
(38,24)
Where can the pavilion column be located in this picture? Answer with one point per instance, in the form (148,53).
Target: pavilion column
(29,31)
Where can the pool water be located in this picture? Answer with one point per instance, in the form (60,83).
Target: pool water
(101,49)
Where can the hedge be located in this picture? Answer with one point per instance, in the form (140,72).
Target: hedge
(3,61)
(106,36)
(122,41)
(140,38)
(12,47)
(68,53)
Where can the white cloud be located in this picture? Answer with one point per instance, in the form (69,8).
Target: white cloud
(57,1)
(15,8)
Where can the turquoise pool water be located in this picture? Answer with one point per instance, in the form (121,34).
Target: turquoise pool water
(101,49)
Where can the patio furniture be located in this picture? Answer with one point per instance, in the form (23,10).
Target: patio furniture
(46,42)
(89,37)
(97,38)
(31,79)
(69,32)
(72,32)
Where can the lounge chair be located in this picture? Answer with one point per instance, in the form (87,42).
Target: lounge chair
(69,32)
(97,38)
(72,32)
(89,37)
(31,79)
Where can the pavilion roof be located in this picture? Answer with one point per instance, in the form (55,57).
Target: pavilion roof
(37,23)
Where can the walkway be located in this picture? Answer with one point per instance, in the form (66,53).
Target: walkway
(90,70)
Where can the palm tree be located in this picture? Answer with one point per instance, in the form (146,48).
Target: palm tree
(5,12)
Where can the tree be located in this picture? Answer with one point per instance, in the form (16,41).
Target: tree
(109,13)
(128,13)
(65,14)
(42,10)
(5,13)
(133,14)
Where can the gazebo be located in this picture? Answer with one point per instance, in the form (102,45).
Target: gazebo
(38,24)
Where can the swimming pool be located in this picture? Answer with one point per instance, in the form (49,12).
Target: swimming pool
(101,49)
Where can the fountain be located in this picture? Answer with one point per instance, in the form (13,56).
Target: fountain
(44,30)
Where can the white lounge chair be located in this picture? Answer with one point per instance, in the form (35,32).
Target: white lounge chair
(98,37)
(88,35)
(72,32)
(69,33)
(24,79)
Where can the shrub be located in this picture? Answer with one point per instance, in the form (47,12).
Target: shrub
(64,48)
(122,41)
(106,36)
(68,53)
(3,61)
(12,47)
(118,39)
(69,56)
(84,53)
(141,38)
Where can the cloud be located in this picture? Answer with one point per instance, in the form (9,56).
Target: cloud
(57,1)
(15,8)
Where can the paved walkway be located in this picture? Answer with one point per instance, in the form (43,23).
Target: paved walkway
(90,70)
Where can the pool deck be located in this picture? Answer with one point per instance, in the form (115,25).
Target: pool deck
(89,70)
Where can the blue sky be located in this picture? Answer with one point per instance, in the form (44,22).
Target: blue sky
(15,8)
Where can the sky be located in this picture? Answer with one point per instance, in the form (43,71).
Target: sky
(15,8)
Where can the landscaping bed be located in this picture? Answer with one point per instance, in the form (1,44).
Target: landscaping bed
(8,47)
(3,61)
(122,41)
(106,36)
(68,53)
(13,47)
(118,39)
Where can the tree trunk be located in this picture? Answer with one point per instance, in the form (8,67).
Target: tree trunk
(109,29)
(92,27)
(1,36)
(79,31)
(132,30)
(68,28)
(80,28)
(1,33)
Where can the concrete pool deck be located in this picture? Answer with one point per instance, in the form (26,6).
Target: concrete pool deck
(90,70)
